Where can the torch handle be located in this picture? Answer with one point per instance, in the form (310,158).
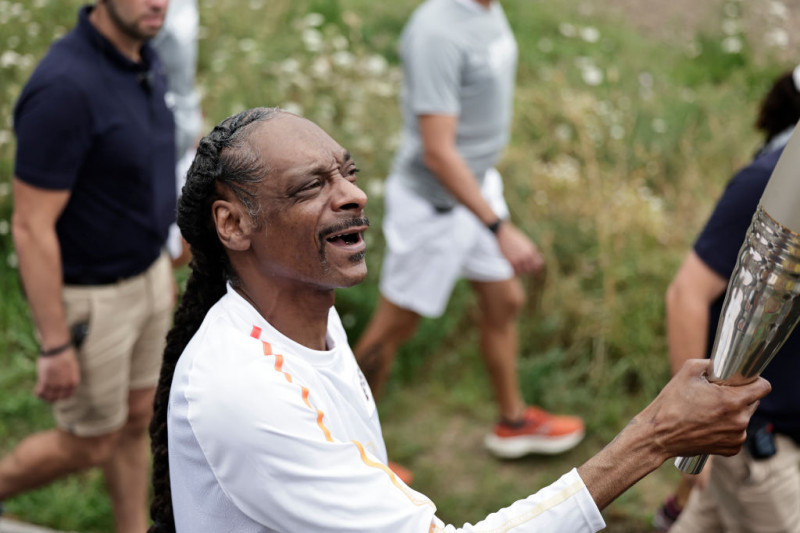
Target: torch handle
(691,465)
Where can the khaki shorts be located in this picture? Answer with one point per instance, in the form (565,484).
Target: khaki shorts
(428,251)
(747,496)
(127,326)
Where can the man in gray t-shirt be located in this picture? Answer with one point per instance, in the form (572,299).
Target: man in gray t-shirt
(445,214)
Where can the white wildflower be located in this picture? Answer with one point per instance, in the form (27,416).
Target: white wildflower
(592,75)
(13,41)
(339,42)
(12,260)
(321,67)
(312,39)
(777,38)
(545,45)
(646,80)
(343,58)
(563,132)
(4,227)
(5,189)
(617,132)
(376,65)
(313,20)
(33,29)
(659,125)
(730,27)
(290,66)
(9,58)
(732,45)
(247,45)
(778,10)
(590,34)
(567,30)
(731,10)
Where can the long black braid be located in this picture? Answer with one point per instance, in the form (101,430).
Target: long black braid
(223,157)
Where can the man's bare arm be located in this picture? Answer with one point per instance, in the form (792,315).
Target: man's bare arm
(34,229)
(690,416)
(689,296)
(438,134)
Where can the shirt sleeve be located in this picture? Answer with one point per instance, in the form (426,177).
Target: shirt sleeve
(563,507)
(719,243)
(433,69)
(53,125)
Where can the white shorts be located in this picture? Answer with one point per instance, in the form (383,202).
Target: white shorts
(428,251)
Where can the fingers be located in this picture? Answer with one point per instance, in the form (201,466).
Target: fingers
(51,393)
(57,377)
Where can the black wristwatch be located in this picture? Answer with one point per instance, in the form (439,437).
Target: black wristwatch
(494,226)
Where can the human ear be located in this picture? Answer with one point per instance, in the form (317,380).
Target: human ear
(233,225)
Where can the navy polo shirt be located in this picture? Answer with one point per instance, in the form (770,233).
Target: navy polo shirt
(718,246)
(95,123)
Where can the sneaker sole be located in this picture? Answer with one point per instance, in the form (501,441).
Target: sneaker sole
(515,447)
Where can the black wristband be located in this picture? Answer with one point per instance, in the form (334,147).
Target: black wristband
(494,226)
(55,351)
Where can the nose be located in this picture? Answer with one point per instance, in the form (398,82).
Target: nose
(349,196)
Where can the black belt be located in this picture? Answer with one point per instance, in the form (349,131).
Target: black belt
(91,279)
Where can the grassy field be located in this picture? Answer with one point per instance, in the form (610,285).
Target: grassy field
(621,143)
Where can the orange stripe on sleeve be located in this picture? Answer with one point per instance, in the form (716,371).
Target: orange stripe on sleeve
(320,416)
(397,483)
(267,347)
(256,332)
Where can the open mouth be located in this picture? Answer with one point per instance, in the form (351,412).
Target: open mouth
(345,239)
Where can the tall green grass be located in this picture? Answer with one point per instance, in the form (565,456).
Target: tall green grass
(621,143)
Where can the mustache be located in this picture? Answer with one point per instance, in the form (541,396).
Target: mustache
(343,225)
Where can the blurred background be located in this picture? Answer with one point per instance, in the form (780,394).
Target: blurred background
(630,117)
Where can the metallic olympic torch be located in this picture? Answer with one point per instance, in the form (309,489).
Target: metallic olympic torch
(762,304)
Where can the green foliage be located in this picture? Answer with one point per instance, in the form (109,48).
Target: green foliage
(620,145)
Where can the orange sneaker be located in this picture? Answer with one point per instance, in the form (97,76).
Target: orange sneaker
(405,475)
(537,432)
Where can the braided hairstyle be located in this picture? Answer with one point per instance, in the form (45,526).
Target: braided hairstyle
(223,157)
(780,108)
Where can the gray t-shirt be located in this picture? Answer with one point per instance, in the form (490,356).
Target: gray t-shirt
(459,59)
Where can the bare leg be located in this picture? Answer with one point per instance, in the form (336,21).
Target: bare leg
(44,457)
(500,303)
(388,328)
(127,470)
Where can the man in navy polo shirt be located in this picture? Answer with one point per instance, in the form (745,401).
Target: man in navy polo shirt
(94,196)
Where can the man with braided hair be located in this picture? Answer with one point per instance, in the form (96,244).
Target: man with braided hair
(263,421)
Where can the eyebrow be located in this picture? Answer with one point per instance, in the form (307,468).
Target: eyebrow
(319,169)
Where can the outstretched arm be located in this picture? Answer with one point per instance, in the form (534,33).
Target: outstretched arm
(690,416)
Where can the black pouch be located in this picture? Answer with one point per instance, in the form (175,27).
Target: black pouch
(79,332)
(760,441)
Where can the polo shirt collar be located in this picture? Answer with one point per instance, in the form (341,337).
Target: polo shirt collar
(87,30)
